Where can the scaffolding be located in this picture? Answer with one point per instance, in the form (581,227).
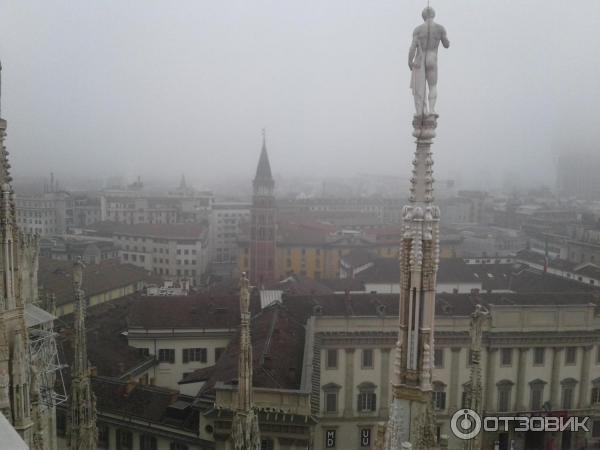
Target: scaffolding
(43,352)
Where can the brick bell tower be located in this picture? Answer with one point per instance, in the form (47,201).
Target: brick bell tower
(263,224)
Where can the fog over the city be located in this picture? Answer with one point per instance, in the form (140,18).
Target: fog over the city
(158,88)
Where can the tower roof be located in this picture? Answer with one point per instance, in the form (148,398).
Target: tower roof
(263,170)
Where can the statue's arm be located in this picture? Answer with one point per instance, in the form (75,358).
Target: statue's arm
(445,41)
(412,50)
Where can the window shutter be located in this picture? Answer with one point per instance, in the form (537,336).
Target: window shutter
(185,355)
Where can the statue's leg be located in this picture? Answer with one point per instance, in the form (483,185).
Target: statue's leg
(432,98)
(431,75)
(419,104)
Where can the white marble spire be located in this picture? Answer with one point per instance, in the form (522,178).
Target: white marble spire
(83,433)
(245,433)
(411,413)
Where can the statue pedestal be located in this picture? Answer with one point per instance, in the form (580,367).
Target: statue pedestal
(424,127)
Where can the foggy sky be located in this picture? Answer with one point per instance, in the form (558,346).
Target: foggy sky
(161,87)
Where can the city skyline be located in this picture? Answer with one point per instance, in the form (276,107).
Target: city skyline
(150,90)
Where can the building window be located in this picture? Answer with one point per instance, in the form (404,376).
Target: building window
(438,358)
(367,358)
(570,356)
(504,391)
(331,397)
(103,437)
(166,355)
(438,396)
(595,399)
(598,355)
(178,446)
(124,440)
(539,354)
(218,352)
(331,402)
(367,398)
(596,428)
(568,392)
(506,357)
(537,394)
(332,358)
(194,354)
(147,442)
(266,444)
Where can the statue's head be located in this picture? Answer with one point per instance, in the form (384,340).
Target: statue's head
(428,13)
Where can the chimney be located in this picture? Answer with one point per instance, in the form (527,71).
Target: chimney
(131,384)
(475,298)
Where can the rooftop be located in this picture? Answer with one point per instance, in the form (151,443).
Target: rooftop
(155,230)
(277,351)
(55,277)
(108,350)
(191,311)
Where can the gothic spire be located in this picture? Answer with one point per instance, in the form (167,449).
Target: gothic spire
(82,425)
(80,361)
(419,258)
(263,170)
(245,433)
(0,88)
(5,177)
(182,183)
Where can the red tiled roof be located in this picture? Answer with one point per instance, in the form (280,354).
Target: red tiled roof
(358,257)
(158,230)
(301,234)
(148,403)
(300,285)
(344,284)
(302,307)
(277,352)
(192,311)
(108,350)
(55,277)
(198,375)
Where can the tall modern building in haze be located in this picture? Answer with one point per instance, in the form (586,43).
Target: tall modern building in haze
(262,223)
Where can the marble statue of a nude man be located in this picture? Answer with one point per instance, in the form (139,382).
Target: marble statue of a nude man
(422,61)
